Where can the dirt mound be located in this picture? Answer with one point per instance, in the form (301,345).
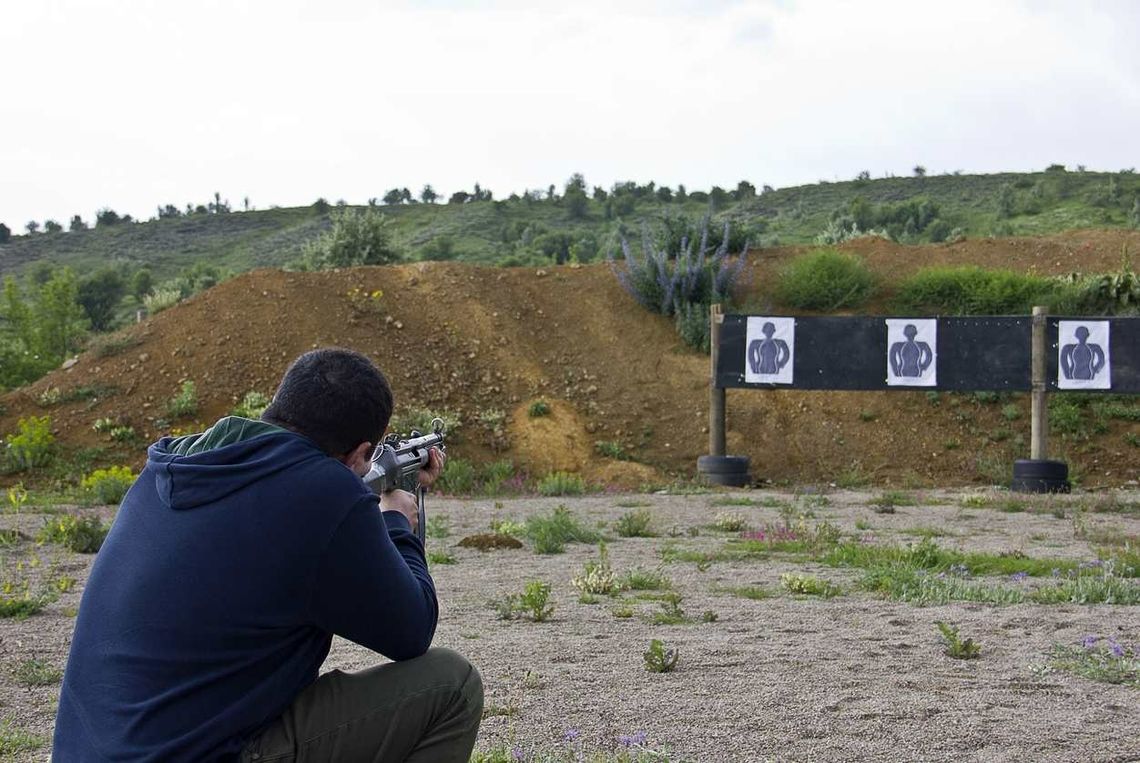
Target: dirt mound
(485,343)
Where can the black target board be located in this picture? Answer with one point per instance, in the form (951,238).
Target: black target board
(877,353)
(1093,354)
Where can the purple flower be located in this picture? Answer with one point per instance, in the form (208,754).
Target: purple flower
(1091,564)
(629,740)
(1056,572)
(570,735)
(518,754)
(1088,642)
(1116,649)
(1019,576)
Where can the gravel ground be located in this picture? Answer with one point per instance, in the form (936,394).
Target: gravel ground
(783,678)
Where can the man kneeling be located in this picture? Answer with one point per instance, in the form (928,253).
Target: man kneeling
(234,558)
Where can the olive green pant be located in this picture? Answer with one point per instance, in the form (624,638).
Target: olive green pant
(424,709)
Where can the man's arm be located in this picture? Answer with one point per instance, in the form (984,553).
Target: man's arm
(372,584)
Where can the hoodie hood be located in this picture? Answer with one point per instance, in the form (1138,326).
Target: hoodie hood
(196,470)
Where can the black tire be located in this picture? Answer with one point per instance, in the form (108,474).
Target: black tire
(1040,468)
(722,464)
(1040,476)
(740,479)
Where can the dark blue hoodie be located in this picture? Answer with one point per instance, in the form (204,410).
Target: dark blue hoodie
(213,601)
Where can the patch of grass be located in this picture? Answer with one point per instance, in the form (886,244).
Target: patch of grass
(921,588)
(670,612)
(551,532)
(441,557)
(1098,659)
(561,483)
(928,555)
(34,672)
(82,534)
(956,646)
(635,524)
(852,477)
(14,740)
(927,532)
(638,579)
(611,449)
(21,606)
(808,585)
(538,409)
(633,504)
(732,500)
(886,502)
(622,610)
(185,403)
(754,592)
(437,527)
(972,290)
(1090,589)
(1010,412)
(533,603)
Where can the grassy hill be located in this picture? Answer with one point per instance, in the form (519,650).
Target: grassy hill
(532,231)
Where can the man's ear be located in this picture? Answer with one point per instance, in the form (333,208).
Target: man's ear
(359,458)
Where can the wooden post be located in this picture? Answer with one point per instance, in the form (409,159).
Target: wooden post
(1039,415)
(716,394)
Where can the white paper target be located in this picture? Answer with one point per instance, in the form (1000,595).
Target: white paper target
(770,348)
(912,352)
(1082,355)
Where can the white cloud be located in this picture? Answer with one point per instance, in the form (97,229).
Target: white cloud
(134,104)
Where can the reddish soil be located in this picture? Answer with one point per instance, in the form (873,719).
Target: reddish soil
(479,340)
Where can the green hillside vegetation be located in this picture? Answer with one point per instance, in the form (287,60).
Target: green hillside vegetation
(120,265)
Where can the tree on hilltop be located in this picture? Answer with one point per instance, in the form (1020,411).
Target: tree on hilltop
(428,195)
(52,226)
(393,197)
(76,224)
(107,216)
(919,171)
(5,233)
(31,227)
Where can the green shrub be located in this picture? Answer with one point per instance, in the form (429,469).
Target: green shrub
(185,403)
(252,405)
(539,408)
(32,446)
(658,659)
(611,449)
(458,477)
(825,280)
(550,533)
(971,290)
(635,524)
(410,419)
(108,486)
(358,237)
(83,535)
(561,483)
(161,299)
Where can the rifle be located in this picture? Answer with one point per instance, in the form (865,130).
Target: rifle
(397,461)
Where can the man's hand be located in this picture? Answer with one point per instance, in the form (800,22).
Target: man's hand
(430,473)
(403,502)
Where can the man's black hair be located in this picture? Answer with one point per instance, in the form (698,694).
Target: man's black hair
(336,397)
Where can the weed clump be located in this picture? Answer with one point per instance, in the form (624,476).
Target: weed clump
(561,483)
(550,533)
(84,535)
(956,646)
(825,280)
(108,486)
(635,524)
(32,446)
(658,659)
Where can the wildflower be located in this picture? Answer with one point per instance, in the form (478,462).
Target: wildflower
(517,754)
(753,535)
(960,570)
(570,735)
(1017,577)
(1091,564)
(1056,572)
(629,740)
(1088,642)
(1116,649)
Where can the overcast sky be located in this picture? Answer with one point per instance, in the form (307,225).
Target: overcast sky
(131,104)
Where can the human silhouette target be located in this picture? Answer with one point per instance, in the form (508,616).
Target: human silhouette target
(912,352)
(770,345)
(1082,355)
